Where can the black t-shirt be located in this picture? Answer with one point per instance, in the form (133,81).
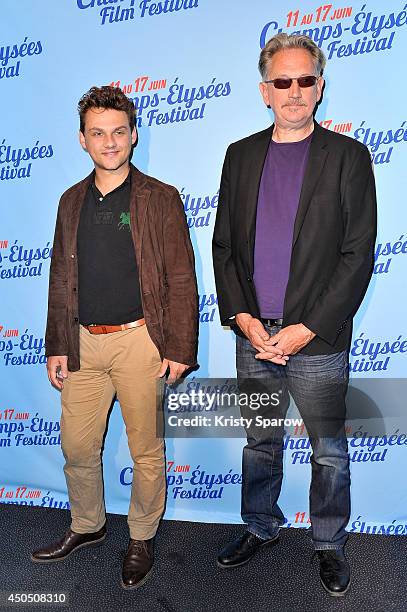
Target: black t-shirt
(109,287)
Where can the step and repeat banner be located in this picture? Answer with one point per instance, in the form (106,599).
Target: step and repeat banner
(191,68)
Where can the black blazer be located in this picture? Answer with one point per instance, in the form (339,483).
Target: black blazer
(333,241)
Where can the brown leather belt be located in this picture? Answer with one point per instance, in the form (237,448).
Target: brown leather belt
(109,329)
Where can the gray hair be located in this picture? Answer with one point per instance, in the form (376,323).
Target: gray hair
(282,41)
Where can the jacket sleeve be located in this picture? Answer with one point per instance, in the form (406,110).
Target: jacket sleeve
(344,292)
(181,320)
(56,341)
(231,299)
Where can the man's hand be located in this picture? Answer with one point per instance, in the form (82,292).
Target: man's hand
(290,340)
(57,369)
(176,370)
(258,337)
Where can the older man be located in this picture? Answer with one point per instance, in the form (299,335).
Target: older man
(293,255)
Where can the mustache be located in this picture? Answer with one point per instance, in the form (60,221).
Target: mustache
(296,103)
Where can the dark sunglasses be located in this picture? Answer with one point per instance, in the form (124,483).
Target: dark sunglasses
(303,81)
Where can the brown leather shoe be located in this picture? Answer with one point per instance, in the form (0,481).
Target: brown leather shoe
(71,541)
(138,563)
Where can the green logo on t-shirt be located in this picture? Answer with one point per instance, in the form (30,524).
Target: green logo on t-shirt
(124,220)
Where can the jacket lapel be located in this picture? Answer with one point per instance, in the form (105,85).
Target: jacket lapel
(75,210)
(139,199)
(258,154)
(316,160)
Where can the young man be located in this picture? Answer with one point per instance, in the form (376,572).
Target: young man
(122,310)
(293,253)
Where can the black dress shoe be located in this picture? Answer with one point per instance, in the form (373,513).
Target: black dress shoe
(334,571)
(58,551)
(240,551)
(137,564)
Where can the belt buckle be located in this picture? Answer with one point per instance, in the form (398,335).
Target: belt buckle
(272,322)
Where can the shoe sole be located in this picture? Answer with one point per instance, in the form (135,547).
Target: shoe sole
(231,566)
(335,593)
(94,543)
(139,584)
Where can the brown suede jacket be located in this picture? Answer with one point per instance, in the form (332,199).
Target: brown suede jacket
(165,262)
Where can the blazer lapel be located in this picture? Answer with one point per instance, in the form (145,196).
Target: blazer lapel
(316,160)
(258,154)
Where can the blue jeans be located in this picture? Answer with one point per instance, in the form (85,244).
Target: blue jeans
(318,386)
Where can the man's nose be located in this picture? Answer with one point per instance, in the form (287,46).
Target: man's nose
(110,142)
(295,90)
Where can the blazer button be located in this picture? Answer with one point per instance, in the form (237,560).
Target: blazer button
(73,256)
(76,319)
(249,278)
(74,288)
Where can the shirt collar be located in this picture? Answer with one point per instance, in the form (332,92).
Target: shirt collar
(127,181)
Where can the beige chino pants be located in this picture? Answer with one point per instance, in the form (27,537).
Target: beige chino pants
(127,363)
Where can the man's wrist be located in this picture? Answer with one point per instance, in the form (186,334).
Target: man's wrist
(311,335)
(244,316)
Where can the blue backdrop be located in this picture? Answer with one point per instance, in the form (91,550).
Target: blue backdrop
(191,68)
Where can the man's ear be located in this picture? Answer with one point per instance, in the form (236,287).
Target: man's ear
(320,87)
(82,141)
(134,136)
(264,93)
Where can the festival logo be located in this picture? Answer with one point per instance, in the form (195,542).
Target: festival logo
(341,31)
(381,142)
(11,158)
(19,261)
(196,483)
(302,519)
(374,140)
(208,304)
(12,55)
(391,528)
(21,349)
(199,210)
(384,254)
(20,428)
(368,355)
(159,103)
(117,11)
(362,448)
(23,495)
(342,127)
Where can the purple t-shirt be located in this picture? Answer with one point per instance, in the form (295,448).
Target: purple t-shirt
(277,205)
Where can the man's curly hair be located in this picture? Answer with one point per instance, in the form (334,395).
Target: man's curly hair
(106,97)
